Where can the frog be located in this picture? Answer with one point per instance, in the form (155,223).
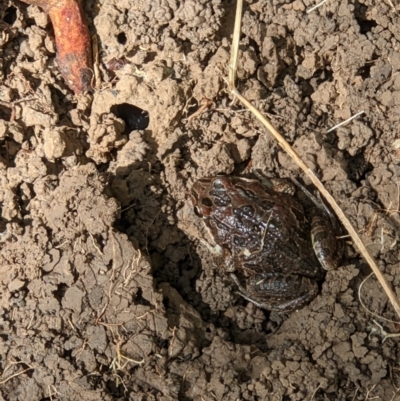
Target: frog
(259,231)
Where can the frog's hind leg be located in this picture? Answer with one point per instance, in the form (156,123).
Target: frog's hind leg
(328,249)
(280,293)
(324,227)
(280,185)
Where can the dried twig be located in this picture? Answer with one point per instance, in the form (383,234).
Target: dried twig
(205,105)
(310,174)
(72,40)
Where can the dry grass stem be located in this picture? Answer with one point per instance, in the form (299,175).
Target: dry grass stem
(235,45)
(53,391)
(310,10)
(345,121)
(310,174)
(315,392)
(369,391)
(95,245)
(384,333)
(395,395)
(15,375)
(117,364)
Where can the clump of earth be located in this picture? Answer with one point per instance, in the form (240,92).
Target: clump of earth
(106,291)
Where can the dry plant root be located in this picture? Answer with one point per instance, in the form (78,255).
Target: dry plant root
(72,41)
(296,158)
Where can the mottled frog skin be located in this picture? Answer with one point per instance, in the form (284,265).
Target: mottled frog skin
(273,253)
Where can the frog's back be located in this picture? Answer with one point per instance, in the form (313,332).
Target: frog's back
(277,238)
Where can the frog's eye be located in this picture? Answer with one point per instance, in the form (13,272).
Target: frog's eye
(218,185)
(207,202)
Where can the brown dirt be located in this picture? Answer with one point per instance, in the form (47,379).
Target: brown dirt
(105,291)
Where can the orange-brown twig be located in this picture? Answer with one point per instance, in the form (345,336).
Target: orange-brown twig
(72,41)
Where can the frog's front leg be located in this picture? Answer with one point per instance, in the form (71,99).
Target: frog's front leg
(278,292)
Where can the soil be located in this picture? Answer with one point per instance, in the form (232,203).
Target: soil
(106,292)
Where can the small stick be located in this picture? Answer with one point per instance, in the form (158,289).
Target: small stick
(206,103)
(345,121)
(310,174)
(72,41)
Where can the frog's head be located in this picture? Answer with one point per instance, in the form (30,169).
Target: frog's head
(209,193)
(202,202)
